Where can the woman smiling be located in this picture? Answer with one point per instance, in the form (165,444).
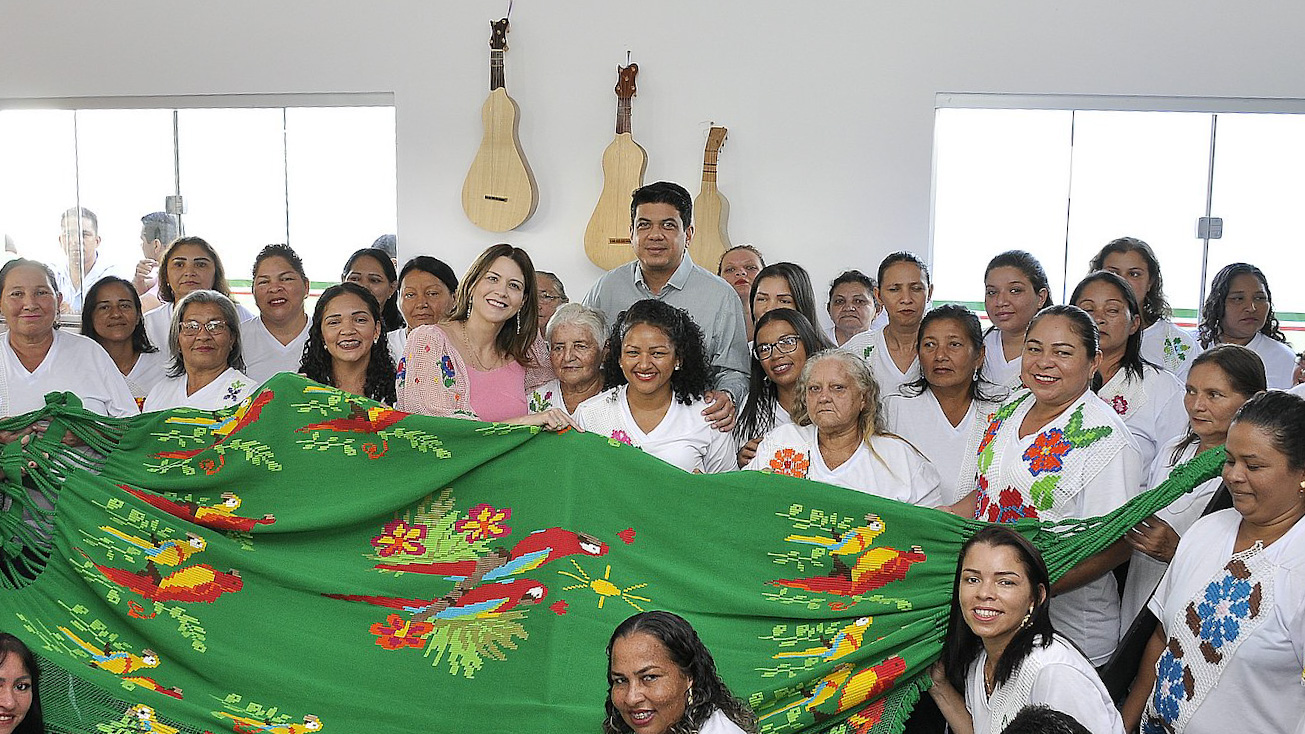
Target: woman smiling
(112,318)
(207,370)
(576,336)
(1015,288)
(346,347)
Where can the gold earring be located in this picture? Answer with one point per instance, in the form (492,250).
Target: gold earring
(1028,618)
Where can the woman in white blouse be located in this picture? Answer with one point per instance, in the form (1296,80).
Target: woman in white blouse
(1163,342)
(208,363)
(1015,289)
(1239,310)
(112,318)
(905,290)
(656,373)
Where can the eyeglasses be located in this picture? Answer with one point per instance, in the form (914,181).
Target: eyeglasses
(784,345)
(214,327)
(549,297)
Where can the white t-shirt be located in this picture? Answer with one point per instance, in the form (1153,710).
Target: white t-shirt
(887,467)
(921,421)
(1279,360)
(870,346)
(227,390)
(149,370)
(995,367)
(1260,689)
(683,437)
(74,364)
(1170,346)
(398,341)
(1153,410)
(264,355)
(1145,572)
(158,322)
(1298,390)
(719,723)
(1061,679)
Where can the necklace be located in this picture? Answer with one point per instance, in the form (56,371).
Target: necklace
(471,352)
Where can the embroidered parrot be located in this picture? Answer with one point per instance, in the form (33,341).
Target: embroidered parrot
(372,420)
(223,428)
(154,685)
(245,725)
(145,720)
(190,584)
(168,553)
(217,516)
(870,682)
(533,551)
(483,602)
(850,543)
(846,642)
(877,568)
(822,691)
(118,663)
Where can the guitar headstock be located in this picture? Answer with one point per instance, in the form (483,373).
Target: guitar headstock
(716,139)
(498,31)
(625,81)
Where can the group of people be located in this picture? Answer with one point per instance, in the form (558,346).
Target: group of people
(1057,411)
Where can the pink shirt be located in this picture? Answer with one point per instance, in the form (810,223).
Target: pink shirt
(500,394)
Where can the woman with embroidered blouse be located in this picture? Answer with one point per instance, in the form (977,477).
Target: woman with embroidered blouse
(1147,397)
(478,364)
(1163,342)
(1002,652)
(655,376)
(837,436)
(1219,382)
(207,370)
(1228,652)
(1057,451)
(576,336)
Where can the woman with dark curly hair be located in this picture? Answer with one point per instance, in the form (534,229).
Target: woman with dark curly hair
(661,679)
(112,318)
(1239,310)
(1163,342)
(347,346)
(837,436)
(654,378)
(20,694)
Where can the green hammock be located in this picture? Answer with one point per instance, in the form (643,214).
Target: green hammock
(311,561)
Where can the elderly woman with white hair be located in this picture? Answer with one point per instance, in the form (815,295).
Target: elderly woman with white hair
(576,335)
(207,370)
(838,436)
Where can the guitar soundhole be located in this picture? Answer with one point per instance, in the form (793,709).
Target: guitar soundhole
(496,198)
(618,240)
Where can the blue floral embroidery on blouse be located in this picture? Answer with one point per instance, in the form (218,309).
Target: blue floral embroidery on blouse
(1169,691)
(446,369)
(1226,605)
(233,392)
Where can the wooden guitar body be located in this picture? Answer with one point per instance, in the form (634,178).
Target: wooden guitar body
(499,192)
(711,210)
(607,238)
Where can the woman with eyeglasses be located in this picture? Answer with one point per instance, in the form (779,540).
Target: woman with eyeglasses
(552,296)
(207,366)
(785,338)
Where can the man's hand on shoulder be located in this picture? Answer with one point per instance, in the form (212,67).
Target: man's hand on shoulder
(720,411)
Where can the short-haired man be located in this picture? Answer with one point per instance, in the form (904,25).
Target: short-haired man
(852,306)
(661,226)
(157,231)
(79,235)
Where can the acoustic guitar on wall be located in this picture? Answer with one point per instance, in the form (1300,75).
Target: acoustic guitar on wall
(500,191)
(711,210)
(607,238)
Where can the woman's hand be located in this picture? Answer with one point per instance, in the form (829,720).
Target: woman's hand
(553,419)
(1154,537)
(949,700)
(748,452)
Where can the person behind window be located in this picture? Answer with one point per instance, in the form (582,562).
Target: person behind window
(739,266)
(552,295)
(783,285)
(274,342)
(852,306)
(785,338)
(1149,398)
(1002,651)
(426,288)
(1226,655)
(952,398)
(207,370)
(389,244)
(20,689)
(1219,382)
(1239,310)
(79,236)
(904,291)
(157,231)
(346,345)
(112,318)
(577,338)
(655,377)
(1015,288)
(1163,342)
(479,363)
(371,269)
(661,679)
(188,264)
(36,358)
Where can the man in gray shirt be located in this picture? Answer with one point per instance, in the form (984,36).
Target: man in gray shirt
(661,216)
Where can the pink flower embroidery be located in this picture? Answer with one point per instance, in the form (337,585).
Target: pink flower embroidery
(1119,404)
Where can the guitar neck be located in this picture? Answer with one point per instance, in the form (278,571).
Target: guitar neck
(496,70)
(709,169)
(622,115)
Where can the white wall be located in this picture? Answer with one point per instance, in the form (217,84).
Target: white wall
(829,105)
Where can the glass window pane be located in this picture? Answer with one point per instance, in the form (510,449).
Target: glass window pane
(39,179)
(1001,178)
(1141,174)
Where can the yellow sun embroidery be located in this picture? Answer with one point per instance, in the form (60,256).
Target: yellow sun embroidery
(604,587)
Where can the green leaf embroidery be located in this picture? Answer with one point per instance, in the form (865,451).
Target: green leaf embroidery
(1043,492)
